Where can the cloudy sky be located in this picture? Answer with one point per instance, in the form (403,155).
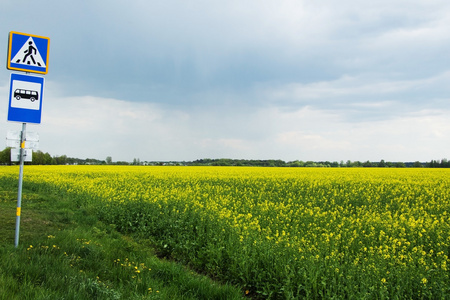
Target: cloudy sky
(254,79)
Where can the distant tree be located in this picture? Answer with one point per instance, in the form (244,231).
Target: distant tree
(5,156)
(38,157)
(353,164)
(335,164)
(417,164)
(47,159)
(61,160)
(295,164)
(222,162)
(433,164)
(310,163)
(72,161)
(325,164)
(277,163)
(108,160)
(367,164)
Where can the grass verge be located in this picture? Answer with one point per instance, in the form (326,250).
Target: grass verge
(65,252)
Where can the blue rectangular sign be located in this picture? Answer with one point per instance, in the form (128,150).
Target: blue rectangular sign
(28,53)
(25,98)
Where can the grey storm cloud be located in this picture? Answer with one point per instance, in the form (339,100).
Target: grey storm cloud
(250,79)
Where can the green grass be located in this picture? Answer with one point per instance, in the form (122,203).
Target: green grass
(65,252)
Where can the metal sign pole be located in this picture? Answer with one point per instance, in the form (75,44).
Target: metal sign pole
(19,192)
(27,53)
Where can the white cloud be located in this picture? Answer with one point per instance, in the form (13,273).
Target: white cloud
(365,96)
(99,127)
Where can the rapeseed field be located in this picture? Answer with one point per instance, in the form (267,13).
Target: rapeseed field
(279,233)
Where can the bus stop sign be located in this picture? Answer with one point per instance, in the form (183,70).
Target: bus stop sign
(25,98)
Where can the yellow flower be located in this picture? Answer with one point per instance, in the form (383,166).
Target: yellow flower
(424,280)
(383,280)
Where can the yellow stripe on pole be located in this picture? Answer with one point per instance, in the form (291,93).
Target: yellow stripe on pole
(22,145)
(18,212)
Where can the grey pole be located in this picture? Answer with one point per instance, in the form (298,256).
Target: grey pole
(19,192)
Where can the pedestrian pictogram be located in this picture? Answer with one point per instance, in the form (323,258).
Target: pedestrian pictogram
(28,52)
(29,55)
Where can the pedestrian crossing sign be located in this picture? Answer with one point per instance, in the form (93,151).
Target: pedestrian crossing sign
(28,53)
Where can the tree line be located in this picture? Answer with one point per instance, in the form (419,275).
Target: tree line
(329,164)
(41,158)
